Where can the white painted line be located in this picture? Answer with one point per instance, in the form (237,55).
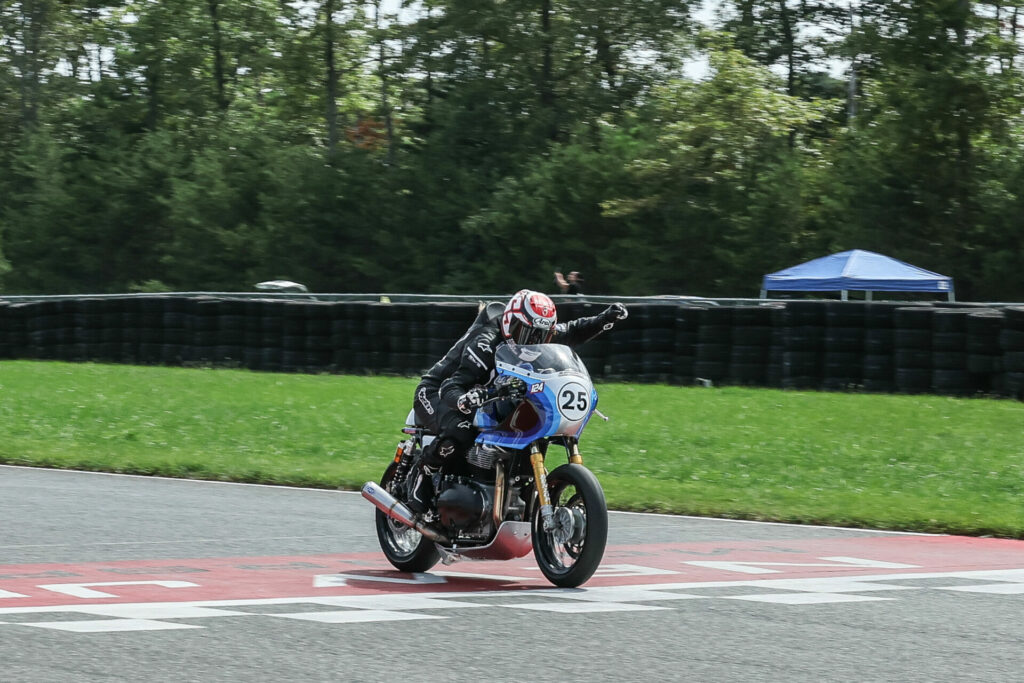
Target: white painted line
(143,611)
(109,625)
(583,607)
(82,590)
(395,602)
(852,585)
(251,602)
(355,616)
(493,577)
(804,598)
(993,588)
(834,563)
(337,580)
(627,594)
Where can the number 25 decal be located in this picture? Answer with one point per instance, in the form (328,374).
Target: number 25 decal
(574,400)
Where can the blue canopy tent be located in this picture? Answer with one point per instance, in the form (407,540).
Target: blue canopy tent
(857,270)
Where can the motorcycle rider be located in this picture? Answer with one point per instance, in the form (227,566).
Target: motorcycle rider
(450,392)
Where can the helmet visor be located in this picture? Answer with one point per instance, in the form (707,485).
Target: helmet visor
(522,334)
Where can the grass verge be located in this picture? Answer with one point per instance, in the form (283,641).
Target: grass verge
(923,463)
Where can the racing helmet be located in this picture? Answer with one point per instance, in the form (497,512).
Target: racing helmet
(529,318)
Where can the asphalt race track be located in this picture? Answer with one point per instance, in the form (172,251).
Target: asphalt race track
(116,578)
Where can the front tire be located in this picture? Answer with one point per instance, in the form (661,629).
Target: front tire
(570,553)
(406,549)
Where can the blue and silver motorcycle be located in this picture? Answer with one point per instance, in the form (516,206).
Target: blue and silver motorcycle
(502,502)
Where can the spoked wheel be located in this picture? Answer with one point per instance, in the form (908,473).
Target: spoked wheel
(569,553)
(406,549)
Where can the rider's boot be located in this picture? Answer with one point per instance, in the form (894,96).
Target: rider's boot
(422,490)
(434,455)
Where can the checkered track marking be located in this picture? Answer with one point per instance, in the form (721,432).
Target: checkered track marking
(404,606)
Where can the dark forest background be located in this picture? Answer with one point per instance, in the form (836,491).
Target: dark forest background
(463,146)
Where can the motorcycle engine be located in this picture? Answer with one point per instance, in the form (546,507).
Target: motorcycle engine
(464,504)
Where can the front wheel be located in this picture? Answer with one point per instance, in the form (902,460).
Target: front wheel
(406,549)
(569,553)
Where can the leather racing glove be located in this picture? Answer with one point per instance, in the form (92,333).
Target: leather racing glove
(613,314)
(511,388)
(471,400)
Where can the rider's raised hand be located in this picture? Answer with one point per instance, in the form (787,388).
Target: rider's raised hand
(614,313)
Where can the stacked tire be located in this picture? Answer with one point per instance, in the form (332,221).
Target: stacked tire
(42,323)
(203,320)
(319,354)
(777,350)
(843,350)
(751,345)
(1012,344)
(150,321)
(658,325)
(403,320)
(684,345)
(446,323)
(626,348)
(17,330)
(984,354)
(912,356)
(174,321)
(803,341)
(68,348)
(6,318)
(950,375)
(879,368)
(714,345)
(293,343)
(13,335)
(348,338)
(131,328)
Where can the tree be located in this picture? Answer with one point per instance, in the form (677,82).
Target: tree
(933,115)
(723,189)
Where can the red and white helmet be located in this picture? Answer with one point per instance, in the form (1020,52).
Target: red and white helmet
(529,318)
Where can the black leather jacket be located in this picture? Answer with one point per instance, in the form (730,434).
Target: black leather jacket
(470,361)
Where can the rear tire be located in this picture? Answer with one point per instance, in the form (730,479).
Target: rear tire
(570,554)
(406,549)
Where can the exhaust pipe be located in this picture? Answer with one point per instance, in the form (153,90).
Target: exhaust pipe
(396,510)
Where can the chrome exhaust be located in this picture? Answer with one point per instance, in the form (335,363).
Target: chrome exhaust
(396,510)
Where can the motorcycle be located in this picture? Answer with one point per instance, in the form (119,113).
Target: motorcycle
(501,502)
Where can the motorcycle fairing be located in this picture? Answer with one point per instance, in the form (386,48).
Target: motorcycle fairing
(560,396)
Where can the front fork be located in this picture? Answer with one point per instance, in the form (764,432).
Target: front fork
(540,478)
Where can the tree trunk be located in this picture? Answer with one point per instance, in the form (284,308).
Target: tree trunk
(218,55)
(385,103)
(332,78)
(790,47)
(547,89)
(34,16)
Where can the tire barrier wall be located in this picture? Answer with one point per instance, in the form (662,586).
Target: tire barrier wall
(949,349)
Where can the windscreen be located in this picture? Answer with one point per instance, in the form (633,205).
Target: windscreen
(540,359)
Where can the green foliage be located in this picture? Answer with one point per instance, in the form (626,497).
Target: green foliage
(202,145)
(723,171)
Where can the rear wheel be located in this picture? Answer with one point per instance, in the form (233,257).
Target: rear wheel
(570,553)
(406,549)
